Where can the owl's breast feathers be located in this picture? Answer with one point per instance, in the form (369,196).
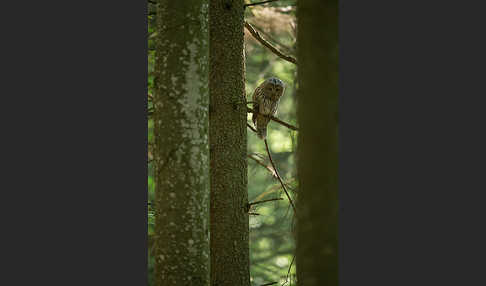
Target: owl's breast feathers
(266,98)
(269,106)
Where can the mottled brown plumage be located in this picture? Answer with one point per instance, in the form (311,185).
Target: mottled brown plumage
(266,98)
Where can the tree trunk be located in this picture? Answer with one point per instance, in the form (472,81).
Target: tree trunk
(317,228)
(229,220)
(181,161)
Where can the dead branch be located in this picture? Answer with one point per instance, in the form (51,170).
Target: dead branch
(288,272)
(272,171)
(251,127)
(251,110)
(276,42)
(264,201)
(259,3)
(279,178)
(270,283)
(264,42)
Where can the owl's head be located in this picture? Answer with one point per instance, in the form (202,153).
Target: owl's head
(274,87)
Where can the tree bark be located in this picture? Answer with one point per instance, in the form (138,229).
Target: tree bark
(317,228)
(181,126)
(229,220)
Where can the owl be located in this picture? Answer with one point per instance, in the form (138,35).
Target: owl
(265,100)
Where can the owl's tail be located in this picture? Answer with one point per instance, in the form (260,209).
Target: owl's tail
(262,133)
(261,127)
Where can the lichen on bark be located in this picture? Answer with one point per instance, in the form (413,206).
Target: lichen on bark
(181,126)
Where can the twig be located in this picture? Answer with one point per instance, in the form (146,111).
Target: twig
(268,45)
(269,168)
(267,192)
(264,201)
(263,165)
(288,272)
(270,283)
(253,213)
(278,177)
(251,127)
(259,3)
(268,36)
(251,110)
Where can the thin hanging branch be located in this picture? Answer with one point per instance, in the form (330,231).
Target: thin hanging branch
(288,272)
(251,110)
(264,42)
(279,178)
(259,3)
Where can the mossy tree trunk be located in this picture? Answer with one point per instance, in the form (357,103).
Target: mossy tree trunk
(317,225)
(181,126)
(229,220)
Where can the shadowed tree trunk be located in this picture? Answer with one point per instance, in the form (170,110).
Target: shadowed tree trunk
(317,227)
(181,160)
(229,220)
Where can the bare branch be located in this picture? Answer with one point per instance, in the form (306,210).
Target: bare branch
(251,110)
(288,272)
(272,171)
(277,43)
(270,283)
(279,178)
(257,36)
(264,201)
(251,127)
(259,3)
